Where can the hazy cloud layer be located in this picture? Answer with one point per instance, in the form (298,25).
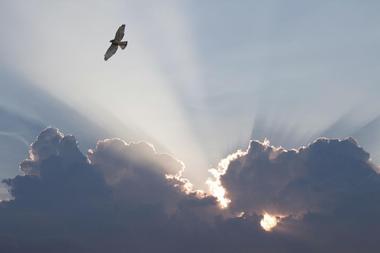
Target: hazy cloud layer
(127,197)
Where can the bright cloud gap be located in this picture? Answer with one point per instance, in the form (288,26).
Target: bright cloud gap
(269,222)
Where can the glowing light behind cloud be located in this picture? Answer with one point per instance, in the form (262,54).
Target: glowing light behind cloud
(215,186)
(218,191)
(269,222)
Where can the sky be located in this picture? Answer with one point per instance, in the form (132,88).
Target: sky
(202,77)
(205,85)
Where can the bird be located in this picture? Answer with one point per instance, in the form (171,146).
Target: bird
(116,42)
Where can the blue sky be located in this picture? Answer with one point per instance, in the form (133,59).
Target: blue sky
(198,79)
(225,126)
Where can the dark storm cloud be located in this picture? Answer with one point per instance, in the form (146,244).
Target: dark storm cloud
(328,193)
(138,174)
(316,178)
(127,197)
(119,197)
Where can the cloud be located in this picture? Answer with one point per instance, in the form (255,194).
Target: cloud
(120,191)
(138,174)
(325,194)
(316,178)
(129,197)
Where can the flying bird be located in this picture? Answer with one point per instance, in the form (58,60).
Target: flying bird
(116,42)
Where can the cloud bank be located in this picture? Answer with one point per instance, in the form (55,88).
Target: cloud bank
(316,178)
(127,197)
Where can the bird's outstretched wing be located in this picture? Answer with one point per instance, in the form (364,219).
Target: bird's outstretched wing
(120,33)
(110,51)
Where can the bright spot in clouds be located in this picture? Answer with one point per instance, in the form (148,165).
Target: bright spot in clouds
(218,191)
(268,222)
(215,185)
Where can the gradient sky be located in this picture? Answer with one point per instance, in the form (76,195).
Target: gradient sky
(225,126)
(199,78)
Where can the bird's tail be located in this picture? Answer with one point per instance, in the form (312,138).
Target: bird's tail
(123,44)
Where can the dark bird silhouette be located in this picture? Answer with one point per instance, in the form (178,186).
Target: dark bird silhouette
(116,42)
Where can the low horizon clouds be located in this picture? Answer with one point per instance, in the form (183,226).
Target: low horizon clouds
(129,196)
(202,72)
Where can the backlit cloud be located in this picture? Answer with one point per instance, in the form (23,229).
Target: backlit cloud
(128,196)
(316,178)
